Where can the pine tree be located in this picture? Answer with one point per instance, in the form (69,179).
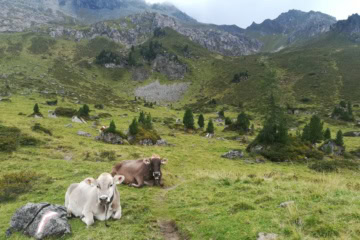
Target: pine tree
(222,113)
(201,121)
(148,122)
(243,122)
(36,109)
(306,133)
(84,111)
(350,111)
(188,119)
(339,138)
(228,121)
(112,127)
(327,134)
(142,118)
(316,130)
(134,128)
(210,127)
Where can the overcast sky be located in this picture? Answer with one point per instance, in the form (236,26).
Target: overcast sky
(244,12)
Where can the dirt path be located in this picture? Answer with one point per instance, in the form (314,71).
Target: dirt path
(169,230)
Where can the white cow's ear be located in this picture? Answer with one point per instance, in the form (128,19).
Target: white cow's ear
(90,181)
(118,179)
(147,161)
(164,161)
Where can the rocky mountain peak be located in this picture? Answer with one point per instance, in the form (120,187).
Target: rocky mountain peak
(350,27)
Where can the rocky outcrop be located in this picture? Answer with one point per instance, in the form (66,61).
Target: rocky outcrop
(136,29)
(140,74)
(350,27)
(330,147)
(233,154)
(40,221)
(170,66)
(110,138)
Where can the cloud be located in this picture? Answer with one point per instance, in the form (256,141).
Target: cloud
(244,12)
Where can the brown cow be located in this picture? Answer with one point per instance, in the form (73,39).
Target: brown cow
(141,172)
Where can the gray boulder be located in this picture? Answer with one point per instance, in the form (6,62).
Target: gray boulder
(352,134)
(146,142)
(233,154)
(330,147)
(40,221)
(110,138)
(83,134)
(161,142)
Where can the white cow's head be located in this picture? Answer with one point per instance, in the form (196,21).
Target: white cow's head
(106,185)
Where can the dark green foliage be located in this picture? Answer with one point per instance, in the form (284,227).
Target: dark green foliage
(131,57)
(11,138)
(327,134)
(339,138)
(142,118)
(134,127)
(99,106)
(150,51)
(275,128)
(201,121)
(343,112)
(109,155)
(14,184)
(84,111)
(242,122)
(52,103)
(148,122)
(36,109)
(145,134)
(106,57)
(188,119)
(65,112)
(111,128)
(222,113)
(210,127)
(314,131)
(159,32)
(240,76)
(38,128)
(228,121)
(41,45)
(324,166)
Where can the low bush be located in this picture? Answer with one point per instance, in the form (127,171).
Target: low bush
(144,134)
(65,112)
(334,165)
(38,128)
(109,155)
(14,184)
(11,138)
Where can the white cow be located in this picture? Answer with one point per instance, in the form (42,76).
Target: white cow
(90,198)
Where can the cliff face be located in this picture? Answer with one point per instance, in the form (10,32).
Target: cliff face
(349,27)
(137,29)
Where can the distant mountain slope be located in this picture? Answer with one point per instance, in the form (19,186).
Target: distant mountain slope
(349,27)
(289,28)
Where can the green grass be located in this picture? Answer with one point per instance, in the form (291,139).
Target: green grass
(206,195)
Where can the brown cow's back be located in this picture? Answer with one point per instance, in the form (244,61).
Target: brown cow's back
(129,169)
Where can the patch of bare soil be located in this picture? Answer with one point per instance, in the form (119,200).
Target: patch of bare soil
(169,230)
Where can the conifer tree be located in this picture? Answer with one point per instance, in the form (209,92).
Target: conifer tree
(243,122)
(339,138)
(112,127)
(222,113)
(350,111)
(306,133)
(201,121)
(210,127)
(188,119)
(316,129)
(134,128)
(142,118)
(228,121)
(36,109)
(148,122)
(84,111)
(327,134)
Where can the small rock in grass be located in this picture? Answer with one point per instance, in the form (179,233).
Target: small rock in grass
(286,204)
(69,125)
(83,134)
(233,154)
(267,236)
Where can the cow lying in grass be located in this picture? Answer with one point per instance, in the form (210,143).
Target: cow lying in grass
(92,198)
(141,172)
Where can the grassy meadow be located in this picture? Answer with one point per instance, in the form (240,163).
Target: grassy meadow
(208,197)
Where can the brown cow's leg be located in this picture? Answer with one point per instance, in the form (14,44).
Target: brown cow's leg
(140,182)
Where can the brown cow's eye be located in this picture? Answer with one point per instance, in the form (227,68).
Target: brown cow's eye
(98,186)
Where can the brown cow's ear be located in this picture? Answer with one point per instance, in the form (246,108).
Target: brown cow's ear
(90,181)
(118,179)
(147,161)
(164,161)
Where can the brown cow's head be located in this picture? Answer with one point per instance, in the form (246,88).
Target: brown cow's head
(155,163)
(106,186)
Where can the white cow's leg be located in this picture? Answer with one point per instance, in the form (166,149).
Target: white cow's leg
(117,214)
(88,218)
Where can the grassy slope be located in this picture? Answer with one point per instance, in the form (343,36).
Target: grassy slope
(209,197)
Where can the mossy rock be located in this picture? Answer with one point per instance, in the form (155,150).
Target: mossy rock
(145,134)
(65,112)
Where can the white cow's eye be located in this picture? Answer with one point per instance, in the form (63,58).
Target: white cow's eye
(111,185)
(98,186)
